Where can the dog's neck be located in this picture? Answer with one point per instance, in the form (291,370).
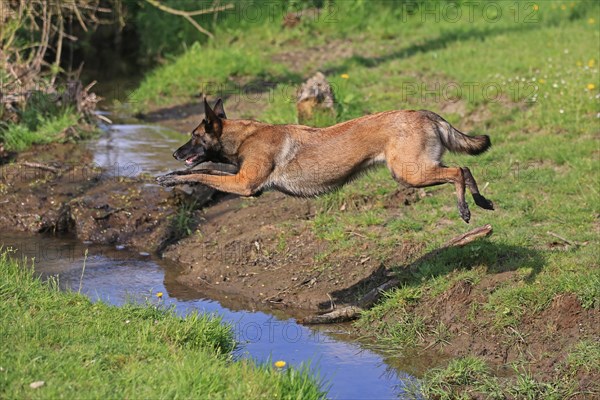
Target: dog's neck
(235,132)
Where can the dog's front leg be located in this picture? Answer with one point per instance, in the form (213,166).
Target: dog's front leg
(230,184)
(196,172)
(244,183)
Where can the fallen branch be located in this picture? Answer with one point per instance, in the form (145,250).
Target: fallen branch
(469,237)
(340,315)
(189,14)
(352,312)
(374,294)
(43,167)
(569,242)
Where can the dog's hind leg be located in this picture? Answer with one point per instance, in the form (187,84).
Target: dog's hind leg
(422,175)
(472,185)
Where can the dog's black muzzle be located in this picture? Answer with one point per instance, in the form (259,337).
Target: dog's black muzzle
(190,154)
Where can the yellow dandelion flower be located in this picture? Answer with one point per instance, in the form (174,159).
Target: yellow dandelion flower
(159,295)
(280,364)
(591,62)
(536,7)
(344,76)
(591,21)
(563,7)
(579,63)
(542,80)
(591,86)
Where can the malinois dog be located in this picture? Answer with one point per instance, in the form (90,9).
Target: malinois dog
(304,161)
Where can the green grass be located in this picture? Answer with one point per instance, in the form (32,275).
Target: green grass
(541,169)
(183,221)
(585,356)
(202,70)
(471,377)
(93,350)
(18,137)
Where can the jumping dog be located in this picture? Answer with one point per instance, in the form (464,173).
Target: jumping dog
(305,161)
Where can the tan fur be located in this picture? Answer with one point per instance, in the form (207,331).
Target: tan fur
(304,161)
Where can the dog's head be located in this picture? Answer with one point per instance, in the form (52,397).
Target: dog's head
(205,143)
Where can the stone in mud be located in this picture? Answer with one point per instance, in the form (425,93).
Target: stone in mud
(199,193)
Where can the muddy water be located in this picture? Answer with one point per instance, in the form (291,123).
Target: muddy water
(116,276)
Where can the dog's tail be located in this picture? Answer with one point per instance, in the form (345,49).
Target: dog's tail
(456,141)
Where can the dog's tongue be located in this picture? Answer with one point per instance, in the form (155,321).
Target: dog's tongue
(191,159)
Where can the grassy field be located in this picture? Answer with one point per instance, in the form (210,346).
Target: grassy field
(524,73)
(92,350)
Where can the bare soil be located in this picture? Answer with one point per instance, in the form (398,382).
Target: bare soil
(265,248)
(540,339)
(260,248)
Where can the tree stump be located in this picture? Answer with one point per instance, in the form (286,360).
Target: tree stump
(315,97)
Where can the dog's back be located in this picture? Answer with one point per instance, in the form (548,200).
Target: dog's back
(314,161)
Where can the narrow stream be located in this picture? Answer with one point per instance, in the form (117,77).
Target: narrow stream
(128,150)
(116,275)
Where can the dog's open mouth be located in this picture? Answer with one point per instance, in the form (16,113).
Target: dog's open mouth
(193,160)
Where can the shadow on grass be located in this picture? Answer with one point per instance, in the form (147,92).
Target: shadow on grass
(437,43)
(257,90)
(496,258)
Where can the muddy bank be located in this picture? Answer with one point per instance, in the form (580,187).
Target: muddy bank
(457,325)
(266,249)
(57,188)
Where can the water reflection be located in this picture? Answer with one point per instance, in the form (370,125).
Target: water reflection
(129,150)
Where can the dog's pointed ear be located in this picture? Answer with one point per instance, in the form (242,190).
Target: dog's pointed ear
(219,110)
(211,116)
(214,123)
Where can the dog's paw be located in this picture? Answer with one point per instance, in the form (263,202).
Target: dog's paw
(167,180)
(463,210)
(483,202)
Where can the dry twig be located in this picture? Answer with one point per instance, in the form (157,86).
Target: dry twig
(189,14)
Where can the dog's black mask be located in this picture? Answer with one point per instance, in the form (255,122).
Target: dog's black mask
(205,143)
